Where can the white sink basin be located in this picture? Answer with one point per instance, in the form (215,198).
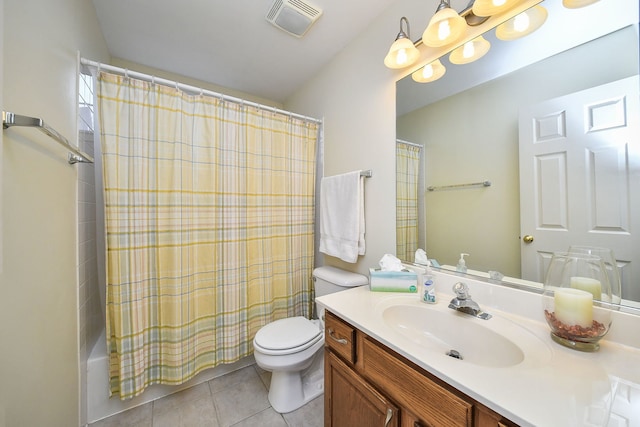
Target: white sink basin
(444,330)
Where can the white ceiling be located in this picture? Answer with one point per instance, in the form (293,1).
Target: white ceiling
(229,42)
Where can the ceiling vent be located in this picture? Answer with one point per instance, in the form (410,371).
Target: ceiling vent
(293,16)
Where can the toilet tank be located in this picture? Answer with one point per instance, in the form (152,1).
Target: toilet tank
(328,280)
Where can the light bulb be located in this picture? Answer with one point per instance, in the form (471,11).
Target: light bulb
(445,27)
(493,7)
(401,58)
(521,22)
(427,71)
(468,50)
(402,53)
(444,30)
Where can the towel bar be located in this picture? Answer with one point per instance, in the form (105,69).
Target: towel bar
(11,119)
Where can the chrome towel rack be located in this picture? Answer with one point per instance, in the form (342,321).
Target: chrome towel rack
(75,155)
(459,186)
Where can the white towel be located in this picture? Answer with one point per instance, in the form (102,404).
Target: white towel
(342,216)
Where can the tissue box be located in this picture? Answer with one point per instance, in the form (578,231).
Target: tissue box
(393,281)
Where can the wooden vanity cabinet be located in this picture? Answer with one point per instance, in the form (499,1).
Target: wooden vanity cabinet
(350,401)
(368,384)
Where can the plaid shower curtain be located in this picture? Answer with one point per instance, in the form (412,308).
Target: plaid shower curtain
(407,185)
(209,209)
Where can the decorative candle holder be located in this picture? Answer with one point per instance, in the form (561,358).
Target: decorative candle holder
(609,260)
(577,300)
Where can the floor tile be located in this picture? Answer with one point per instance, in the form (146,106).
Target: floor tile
(135,417)
(241,400)
(238,399)
(266,418)
(192,407)
(265,376)
(197,392)
(310,415)
(245,374)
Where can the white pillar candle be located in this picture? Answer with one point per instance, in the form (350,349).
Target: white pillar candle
(574,307)
(587,284)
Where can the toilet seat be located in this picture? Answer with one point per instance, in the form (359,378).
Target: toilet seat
(287,336)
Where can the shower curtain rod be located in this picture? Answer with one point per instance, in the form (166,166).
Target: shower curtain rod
(190,89)
(413,144)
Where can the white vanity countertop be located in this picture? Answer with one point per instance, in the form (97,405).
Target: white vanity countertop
(552,386)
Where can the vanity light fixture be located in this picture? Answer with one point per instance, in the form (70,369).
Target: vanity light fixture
(491,7)
(522,24)
(460,35)
(402,52)
(445,27)
(429,73)
(470,51)
(446,31)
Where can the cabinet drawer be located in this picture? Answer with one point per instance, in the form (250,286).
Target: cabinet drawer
(435,405)
(340,337)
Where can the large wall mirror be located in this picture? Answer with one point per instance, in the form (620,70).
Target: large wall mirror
(472,124)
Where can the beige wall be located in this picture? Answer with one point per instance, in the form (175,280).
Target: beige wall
(473,137)
(355,94)
(39,328)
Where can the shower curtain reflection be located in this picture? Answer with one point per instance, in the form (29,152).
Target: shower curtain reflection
(209,209)
(409,199)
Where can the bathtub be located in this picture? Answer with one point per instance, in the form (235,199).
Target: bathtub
(100,405)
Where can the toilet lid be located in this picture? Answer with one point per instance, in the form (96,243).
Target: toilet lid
(287,333)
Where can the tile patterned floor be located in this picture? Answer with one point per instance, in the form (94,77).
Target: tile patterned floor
(238,399)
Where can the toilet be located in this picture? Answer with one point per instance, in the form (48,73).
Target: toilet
(292,348)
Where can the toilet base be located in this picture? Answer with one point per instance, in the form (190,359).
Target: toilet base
(291,390)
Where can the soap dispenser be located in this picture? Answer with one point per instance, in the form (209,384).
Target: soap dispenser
(462,266)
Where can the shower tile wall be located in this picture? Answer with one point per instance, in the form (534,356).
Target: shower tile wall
(90,316)
(91,312)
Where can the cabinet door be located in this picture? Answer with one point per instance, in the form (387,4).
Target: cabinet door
(431,402)
(350,401)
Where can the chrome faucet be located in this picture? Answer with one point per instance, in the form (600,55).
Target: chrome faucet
(463,302)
